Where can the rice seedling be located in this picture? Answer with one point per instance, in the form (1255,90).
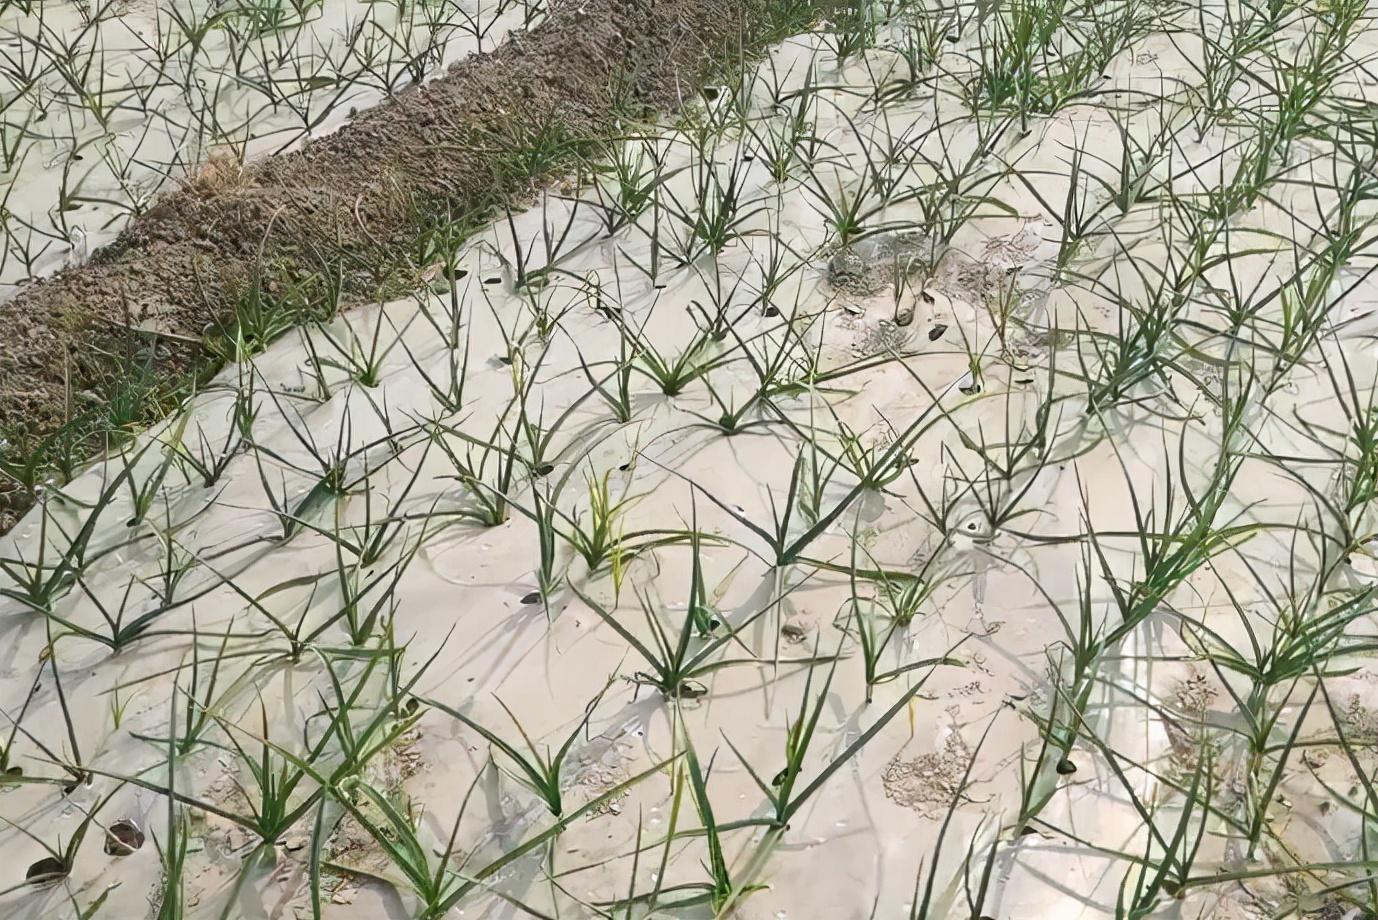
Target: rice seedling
(633,170)
(359,357)
(901,597)
(441,889)
(783,545)
(851,213)
(542,772)
(716,208)
(614,387)
(54,570)
(198,699)
(721,891)
(447,388)
(853,27)
(211,457)
(1075,217)
(785,142)
(920,48)
(780,793)
(69,759)
(672,373)
(397,833)
(486,471)
(532,270)
(602,537)
(1184,540)
(678,656)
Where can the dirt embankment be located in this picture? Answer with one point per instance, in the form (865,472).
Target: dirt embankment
(349,206)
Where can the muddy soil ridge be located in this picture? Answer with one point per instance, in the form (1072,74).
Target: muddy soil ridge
(351,200)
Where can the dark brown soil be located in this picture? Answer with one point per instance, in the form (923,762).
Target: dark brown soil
(352,205)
